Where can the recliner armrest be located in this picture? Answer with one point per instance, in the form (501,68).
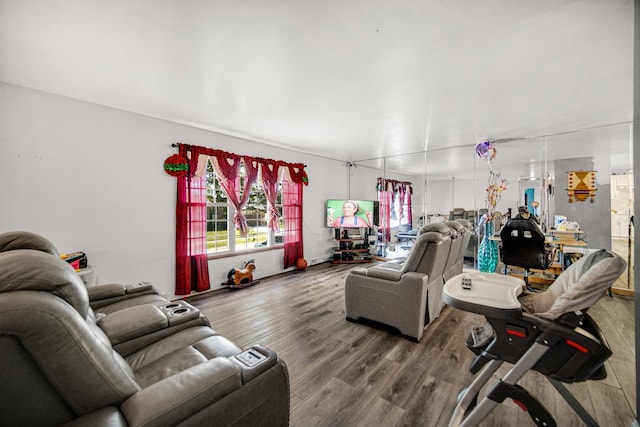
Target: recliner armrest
(384,273)
(112,290)
(175,398)
(104,291)
(134,322)
(107,416)
(134,288)
(254,361)
(107,294)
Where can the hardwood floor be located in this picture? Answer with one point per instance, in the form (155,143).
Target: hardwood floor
(351,374)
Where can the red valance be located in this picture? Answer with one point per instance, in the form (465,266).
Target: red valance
(394,185)
(229,163)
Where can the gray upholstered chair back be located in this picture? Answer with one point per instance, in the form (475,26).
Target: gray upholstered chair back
(32,270)
(58,353)
(469,230)
(454,262)
(430,251)
(456,213)
(12,240)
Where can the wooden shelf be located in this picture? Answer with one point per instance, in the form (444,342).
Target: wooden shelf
(347,249)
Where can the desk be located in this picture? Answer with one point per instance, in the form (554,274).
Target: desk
(559,242)
(88,276)
(567,234)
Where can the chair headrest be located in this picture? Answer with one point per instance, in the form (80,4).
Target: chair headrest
(31,270)
(455,225)
(521,224)
(436,227)
(465,223)
(431,236)
(13,240)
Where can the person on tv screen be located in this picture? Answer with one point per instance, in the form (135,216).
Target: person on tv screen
(350,217)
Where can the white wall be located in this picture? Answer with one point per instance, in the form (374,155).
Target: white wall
(363,186)
(91,178)
(446,194)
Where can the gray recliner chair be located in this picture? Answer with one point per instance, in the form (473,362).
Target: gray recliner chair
(456,213)
(406,296)
(60,366)
(107,297)
(470,231)
(459,241)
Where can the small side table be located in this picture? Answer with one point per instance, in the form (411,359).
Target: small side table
(88,276)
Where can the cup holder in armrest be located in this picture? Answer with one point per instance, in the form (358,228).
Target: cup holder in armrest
(178,312)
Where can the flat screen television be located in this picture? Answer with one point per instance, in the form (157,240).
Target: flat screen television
(351,213)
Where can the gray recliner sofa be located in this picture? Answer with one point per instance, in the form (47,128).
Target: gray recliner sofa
(64,364)
(459,242)
(408,295)
(105,298)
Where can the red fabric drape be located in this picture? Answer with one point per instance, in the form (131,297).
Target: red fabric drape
(192,268)
(292,205)
(384,197)
(192,271)
(227,166)
(407,194)
(388,191)
(269,171)
(405,191)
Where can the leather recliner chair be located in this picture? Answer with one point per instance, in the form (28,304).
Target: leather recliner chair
(408,295)
(456,213)
(60,366)
(105,298)
(459,241)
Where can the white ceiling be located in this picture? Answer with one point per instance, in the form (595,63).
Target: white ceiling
(345,79)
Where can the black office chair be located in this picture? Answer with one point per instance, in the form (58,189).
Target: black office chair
(523,245)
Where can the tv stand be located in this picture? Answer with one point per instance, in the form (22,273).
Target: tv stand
(353,246)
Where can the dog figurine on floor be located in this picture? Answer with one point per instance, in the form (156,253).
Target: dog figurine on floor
(242,278)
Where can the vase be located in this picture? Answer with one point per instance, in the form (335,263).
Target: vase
(488,251)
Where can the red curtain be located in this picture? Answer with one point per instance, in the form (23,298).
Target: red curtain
(292,205)
(407,195)
(384,197)
(192,268)
(388,191)
(406,191)
(227,166)
(269,171)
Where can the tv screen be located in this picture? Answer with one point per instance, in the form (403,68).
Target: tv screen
(351,213)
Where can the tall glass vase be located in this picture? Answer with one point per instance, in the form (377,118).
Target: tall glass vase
(488,250)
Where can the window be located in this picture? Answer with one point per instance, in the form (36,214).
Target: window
(395,206)
(220,218)
(399,212)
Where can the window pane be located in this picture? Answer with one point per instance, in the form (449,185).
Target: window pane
(217,234)
(219,211)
